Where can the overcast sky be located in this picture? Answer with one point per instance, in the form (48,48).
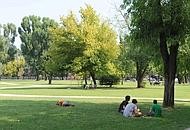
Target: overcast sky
(14,10)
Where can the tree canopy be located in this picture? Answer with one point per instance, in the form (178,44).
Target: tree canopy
(162,22)
(35,40)
(7,38)
(88,45)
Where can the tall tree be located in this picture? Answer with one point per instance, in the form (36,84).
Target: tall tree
(140,56)
(7,39)
(124,63)
(34,35)
(163,22)
(183,69)
(101,48)
(87,46)
(3,49)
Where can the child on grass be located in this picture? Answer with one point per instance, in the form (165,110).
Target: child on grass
(155,110)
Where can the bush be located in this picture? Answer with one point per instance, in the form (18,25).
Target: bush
(109,80)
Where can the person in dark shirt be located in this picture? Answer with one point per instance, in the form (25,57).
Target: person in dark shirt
(124,104)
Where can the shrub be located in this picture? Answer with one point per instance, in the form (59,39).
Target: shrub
(109,80)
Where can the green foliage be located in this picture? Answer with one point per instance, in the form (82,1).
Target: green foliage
(135,57)
(183,58)
(109,80)
(9,30)
(150,18)
(15,67)
(3,50)
(164,25)
(7,38)
(35,39)
(86,45)
(12,52)
(1,69)
(124,63)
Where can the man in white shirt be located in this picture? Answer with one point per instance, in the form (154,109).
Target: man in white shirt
(131,109)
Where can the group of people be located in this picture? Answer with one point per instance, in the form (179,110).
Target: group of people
(131,109)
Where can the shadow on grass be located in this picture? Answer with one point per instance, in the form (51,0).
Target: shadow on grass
(78,88)
(66,87)
(24,88)
(39,115)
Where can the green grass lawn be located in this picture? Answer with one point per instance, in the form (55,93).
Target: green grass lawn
(68,88)
(19,113)
(86,115)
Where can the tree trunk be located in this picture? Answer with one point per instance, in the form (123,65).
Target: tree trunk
(122,79)
(50,79)
(185,79)
(170,67)
(66,75)
(85,80)
(45,77)
(92,74)
(180,78)
(140,74)
(62,75)
(37,75)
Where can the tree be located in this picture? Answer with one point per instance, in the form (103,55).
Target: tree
(101,48)
(65,46)
(140,57)
(12,51)
(87,46)
(133,50)
(1,70)
(34,35)
(183,68)
(7,39)
(14,67)
(3,50)
(162,22)
(125,65)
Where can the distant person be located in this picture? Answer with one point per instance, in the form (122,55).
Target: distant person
(155,110)
(63,103)
(60,102)
(123,104)
(131,110)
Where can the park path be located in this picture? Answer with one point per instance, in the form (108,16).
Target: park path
(83,97)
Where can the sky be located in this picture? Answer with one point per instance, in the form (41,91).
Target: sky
(12,11)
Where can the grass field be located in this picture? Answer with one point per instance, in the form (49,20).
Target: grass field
(67,88)
(29,113)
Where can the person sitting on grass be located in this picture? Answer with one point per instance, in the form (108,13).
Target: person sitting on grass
(155,110)
(63,103)
(131,110)
(123,104)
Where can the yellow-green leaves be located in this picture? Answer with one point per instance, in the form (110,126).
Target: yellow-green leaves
(15,67)
(85,44)
(70,24)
